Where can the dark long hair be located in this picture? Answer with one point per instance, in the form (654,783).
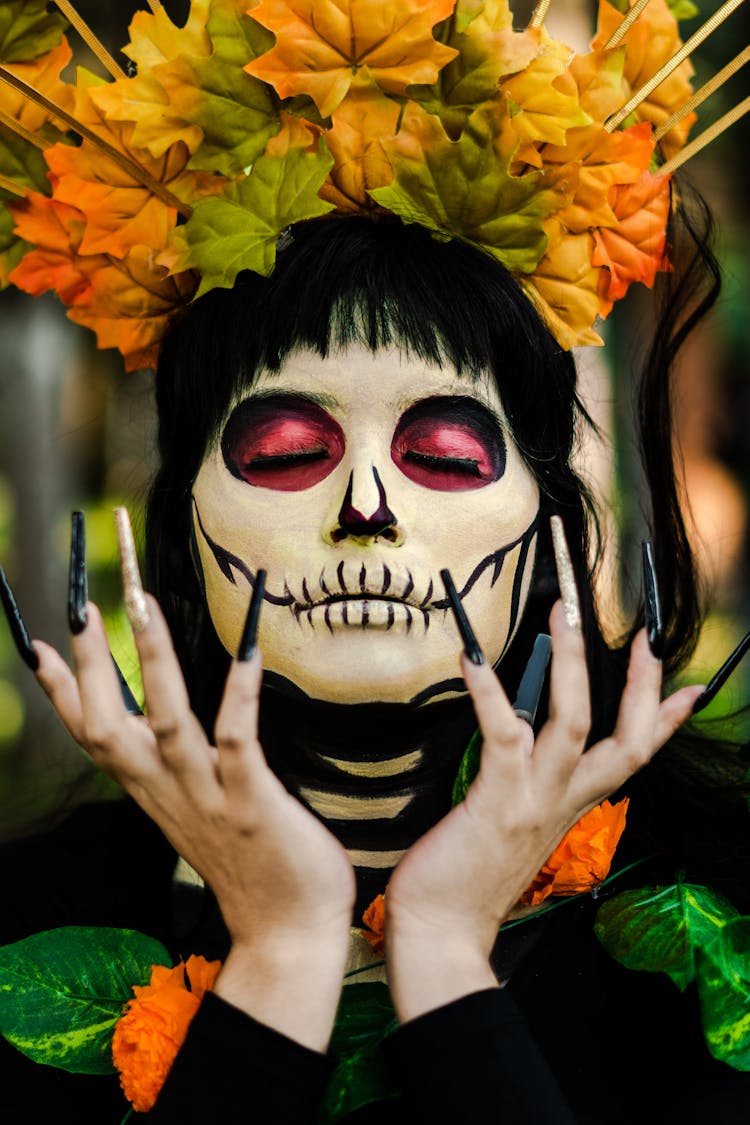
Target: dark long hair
(379,282)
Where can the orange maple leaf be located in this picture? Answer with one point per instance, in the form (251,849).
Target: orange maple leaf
(606,161)
(55,230)
(634,249)
(322,44)
(360,123)
(43,74)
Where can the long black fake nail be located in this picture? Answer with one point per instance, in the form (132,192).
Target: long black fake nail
(716,683)
(16,624)
(532,680)
(131,703)
(471,644)
(652,606)
(250,631)
(78,587)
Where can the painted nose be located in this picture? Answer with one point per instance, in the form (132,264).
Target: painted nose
(364,513)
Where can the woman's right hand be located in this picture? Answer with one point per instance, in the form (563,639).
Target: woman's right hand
(284,883)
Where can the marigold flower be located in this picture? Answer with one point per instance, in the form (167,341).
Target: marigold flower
(374,920)
(582,859)
(153,1027)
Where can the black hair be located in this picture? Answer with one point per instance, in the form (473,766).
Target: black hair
(379,282)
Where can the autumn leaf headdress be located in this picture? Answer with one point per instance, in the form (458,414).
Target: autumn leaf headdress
(128,197)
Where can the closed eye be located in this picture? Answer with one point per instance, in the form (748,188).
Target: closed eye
(455,464)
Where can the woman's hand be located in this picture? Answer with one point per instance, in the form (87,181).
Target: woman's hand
(284,884)
(453,889)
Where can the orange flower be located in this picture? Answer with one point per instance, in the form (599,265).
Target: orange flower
(374,920)
(583,857)
(151,1031)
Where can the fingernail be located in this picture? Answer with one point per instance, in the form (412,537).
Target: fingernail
(471,644)
(135,599)
(566,578)
(716,683)
(250,631)
(532,680)
(78,587)
(131,703)
(652,602)
(16,624)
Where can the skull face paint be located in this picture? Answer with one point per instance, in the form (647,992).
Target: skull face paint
(353,480)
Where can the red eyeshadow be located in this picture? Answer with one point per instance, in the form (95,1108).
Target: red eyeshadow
(284,442)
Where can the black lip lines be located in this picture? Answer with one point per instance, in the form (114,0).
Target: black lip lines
(379,584)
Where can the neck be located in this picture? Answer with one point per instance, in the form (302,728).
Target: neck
(378,775)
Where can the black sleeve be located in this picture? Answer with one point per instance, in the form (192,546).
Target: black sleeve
(233,1069)
(475,1060)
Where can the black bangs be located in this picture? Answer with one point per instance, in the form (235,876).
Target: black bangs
(341,281)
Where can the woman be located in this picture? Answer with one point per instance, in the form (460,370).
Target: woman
(382,407)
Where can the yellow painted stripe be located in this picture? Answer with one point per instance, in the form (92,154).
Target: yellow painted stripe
(342,806)
(388,767)
(361,858)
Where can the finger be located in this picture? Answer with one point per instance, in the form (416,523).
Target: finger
(241,761)
(634,740)
(117,744)
(181,739)
(676,710)
(501,727)
(61,686)
(564,735)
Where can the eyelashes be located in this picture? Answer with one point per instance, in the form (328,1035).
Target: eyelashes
(290,443)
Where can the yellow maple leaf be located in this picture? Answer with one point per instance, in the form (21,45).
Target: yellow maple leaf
(355,141)
(544,99)
(322,44)
(565,288)
(650,42)
(598,75)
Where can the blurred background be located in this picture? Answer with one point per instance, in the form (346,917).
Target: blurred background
(77,433)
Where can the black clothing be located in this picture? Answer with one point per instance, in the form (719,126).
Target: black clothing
(574,1039)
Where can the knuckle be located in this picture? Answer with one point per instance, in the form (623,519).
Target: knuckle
(101,737)
(166,730)
(578,726)
(231,737)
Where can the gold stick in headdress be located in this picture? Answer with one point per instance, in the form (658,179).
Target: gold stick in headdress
(135,170)
(708,135)
(91,41)
(705,91)
(677,58)
(626,24)
(16,126)
(540,13)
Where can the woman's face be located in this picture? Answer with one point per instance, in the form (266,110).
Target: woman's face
(353,480)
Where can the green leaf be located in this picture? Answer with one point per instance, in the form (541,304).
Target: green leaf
(468,769)
(364,1018)
(464,188)
(723,975)
(22,162)
(239,229)
(660,929)
(28,30)
(12,248)
(236,111)
(62,991)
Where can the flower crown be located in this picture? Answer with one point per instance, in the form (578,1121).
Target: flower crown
(129,197)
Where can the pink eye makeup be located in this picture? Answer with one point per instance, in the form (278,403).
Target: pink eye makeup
(285,442)
(451,444)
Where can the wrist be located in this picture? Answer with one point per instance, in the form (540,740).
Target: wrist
(291,983)
(428,971)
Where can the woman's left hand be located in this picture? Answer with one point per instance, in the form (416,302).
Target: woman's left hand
(453,889)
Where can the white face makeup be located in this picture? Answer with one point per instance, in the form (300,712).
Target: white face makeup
(353,480)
